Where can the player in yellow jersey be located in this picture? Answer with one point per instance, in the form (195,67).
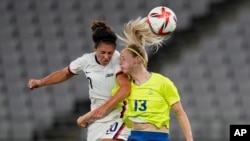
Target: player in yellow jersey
(152,95)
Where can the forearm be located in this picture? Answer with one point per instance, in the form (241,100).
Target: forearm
(120,95)
(185,125)
(122,92)
(84,118)
(55,77)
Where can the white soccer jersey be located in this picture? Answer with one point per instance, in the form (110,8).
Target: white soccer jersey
(101,79)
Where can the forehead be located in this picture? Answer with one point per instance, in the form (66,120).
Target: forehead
(105,47)
(125,52)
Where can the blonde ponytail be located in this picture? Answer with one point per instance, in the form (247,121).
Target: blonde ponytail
(138,36)
(138,32)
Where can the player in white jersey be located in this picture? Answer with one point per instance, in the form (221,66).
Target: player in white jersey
(103,71)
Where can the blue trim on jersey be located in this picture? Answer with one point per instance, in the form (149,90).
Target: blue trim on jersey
(148,136)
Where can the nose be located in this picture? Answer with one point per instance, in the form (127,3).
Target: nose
(106,56)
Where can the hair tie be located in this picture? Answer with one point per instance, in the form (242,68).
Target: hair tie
(145,63)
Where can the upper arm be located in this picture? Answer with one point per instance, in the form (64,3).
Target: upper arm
(123,81)
(67,73)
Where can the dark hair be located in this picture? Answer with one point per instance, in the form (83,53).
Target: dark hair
(102,33)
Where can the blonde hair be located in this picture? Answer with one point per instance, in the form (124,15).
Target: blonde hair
(138,36)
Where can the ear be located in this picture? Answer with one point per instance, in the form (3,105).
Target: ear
(138,59)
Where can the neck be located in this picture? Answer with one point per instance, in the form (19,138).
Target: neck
(140,77)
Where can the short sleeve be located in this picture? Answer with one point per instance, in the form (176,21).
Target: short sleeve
(170,92)
(77,66)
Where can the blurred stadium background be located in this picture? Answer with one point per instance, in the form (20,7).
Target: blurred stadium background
(208,57)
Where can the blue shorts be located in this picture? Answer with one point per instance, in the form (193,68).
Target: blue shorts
(148,136)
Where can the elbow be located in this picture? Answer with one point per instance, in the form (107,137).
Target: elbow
(178,110)
(179,113)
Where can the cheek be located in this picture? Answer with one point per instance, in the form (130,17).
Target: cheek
(127,64)
(110,56)
(98,55)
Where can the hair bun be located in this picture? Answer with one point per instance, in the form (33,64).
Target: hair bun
(99,25)
(103,32)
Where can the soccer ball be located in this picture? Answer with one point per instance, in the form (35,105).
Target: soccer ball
(162,20)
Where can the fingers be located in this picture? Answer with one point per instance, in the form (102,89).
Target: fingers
(81,122)
(86,119)
(84,125)
(32,84)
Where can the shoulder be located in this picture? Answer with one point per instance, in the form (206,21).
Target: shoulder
(161,78)
(165,85)
(83,60)
(86,57)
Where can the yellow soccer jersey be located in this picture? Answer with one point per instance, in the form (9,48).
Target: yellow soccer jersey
(151,101)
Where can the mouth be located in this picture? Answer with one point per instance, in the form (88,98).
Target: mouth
(123,69)
(105,62)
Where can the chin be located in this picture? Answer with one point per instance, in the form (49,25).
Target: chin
(105,63)
(125,71)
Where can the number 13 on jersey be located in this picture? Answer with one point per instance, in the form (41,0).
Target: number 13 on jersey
(140,105)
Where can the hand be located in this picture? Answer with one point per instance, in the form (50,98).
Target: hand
(33,83)
(83,121)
